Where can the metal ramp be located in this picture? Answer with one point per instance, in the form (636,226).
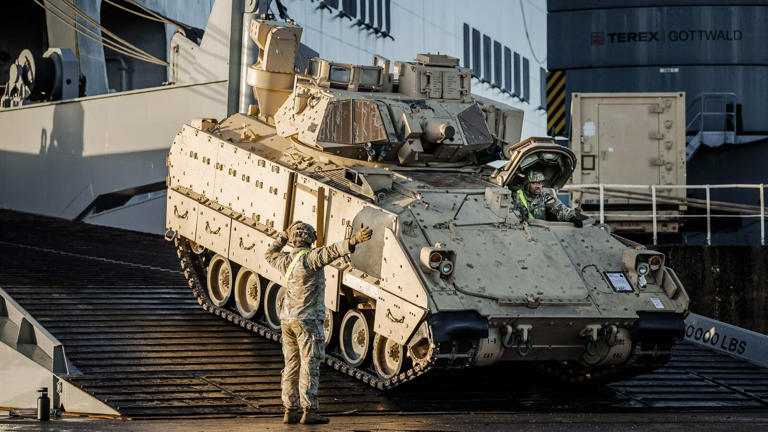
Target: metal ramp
(32,358)
(145,348)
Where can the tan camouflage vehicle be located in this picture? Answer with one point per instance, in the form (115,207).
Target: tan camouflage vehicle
(452,277)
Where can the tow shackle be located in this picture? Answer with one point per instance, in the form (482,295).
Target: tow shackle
(594,333)
(517,337)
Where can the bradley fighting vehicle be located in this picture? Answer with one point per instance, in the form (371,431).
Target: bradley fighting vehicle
(452,277)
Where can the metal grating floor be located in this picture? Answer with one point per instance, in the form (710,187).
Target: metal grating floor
(122,309)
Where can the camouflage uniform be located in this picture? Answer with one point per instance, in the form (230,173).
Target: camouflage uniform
(543,206)
(301,318)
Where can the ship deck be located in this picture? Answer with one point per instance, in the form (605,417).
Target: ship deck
(118,302)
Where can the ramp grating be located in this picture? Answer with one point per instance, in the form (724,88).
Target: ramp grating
(129,323)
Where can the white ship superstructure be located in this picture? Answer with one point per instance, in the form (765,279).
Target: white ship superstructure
(100,157)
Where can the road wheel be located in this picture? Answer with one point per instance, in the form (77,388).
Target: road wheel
(248,292)
(330,327)
(273,302)
(219,280)
(388,357)
(355,337)
(196,248)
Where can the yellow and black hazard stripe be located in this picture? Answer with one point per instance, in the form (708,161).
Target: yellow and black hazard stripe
(556,102)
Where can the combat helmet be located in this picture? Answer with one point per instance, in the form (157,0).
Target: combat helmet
(535,176)
(301,233)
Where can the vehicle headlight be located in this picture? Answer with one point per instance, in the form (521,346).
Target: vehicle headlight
(642,269)
(438,259)
(446,268)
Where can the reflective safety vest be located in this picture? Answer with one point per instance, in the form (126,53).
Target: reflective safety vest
(521,194)
(293,265)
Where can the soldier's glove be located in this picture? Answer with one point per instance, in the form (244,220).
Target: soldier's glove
(282,238)
(362,235)
(576,222)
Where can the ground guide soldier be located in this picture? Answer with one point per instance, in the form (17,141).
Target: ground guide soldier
(302,314)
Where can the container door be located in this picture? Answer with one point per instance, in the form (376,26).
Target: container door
(628,143)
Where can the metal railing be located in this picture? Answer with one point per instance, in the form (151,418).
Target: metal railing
(704,112)
(707,203)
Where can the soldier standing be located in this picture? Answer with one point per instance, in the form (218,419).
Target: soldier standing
(303,312)
(532,202)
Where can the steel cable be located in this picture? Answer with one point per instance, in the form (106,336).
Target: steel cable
(528,37)
(83,15)
(102,41)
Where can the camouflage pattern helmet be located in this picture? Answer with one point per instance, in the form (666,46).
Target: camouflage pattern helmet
(535,176)
(301,233)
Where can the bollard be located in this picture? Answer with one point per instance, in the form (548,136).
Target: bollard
(43,405)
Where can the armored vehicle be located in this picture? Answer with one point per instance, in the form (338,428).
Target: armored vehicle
(453,277)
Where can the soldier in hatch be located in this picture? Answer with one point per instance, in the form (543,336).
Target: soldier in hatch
(303,312)
(531,202)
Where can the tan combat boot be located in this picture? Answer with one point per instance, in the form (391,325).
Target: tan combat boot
(312,417)
(291,416)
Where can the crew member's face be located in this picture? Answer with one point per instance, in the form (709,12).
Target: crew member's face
(534,188)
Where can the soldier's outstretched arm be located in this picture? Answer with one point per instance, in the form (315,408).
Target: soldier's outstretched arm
(318,258)
(275,256)
(557,209)
(322,256)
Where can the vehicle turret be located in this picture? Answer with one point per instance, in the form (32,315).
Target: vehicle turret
(423,113)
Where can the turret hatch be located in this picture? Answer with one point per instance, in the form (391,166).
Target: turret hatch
(541,154)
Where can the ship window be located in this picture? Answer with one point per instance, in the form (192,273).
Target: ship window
(507,69)
(388,13)
(339,74)
(516,76)
(371,13)
(476,58)
(487,59)
(350,7)
(526,80)
(466,45)
(496,64)
(370,77)
(352,121)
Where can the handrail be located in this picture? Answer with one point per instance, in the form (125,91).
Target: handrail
(703,112)
(601,189)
